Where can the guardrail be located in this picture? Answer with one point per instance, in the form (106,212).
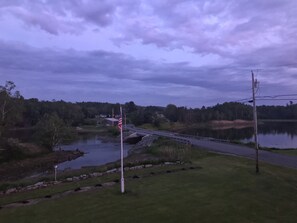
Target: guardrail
(176,136)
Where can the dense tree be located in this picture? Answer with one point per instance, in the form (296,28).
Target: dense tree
(14,110)
(171,112)
(51,131)
(277,112)
(11,103)
(130,107)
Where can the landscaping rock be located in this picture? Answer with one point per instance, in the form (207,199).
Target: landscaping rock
(108,184)
(39,184)
(148,165)
(136,167)
(112,170)
(83,176)
(69,179)
(96,174)
(11,190)
(86,188)
(168,163)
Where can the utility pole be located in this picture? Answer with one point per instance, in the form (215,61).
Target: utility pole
(120,125)
(112,116)
(254,85)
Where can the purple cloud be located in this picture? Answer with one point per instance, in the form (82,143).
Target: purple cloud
(241,35)
(120,78)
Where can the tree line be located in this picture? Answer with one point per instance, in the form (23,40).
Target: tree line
(15,111)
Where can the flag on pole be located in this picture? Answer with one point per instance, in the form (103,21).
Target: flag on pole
(120,124)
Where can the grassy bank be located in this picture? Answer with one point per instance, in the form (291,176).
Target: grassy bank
(222,189)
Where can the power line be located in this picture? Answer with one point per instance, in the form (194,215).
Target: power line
(276,96)
(277,99)
(243,100)
(268,98)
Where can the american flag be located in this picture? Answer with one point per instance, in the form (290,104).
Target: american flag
(120,124)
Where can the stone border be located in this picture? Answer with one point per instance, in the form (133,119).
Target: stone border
(90,188)
(43,184)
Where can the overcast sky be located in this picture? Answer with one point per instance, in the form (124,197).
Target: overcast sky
(153,52)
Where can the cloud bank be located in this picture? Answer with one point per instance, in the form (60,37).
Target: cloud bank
(241,35)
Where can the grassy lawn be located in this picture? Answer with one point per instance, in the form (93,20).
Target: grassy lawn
(290,152)
(224,189)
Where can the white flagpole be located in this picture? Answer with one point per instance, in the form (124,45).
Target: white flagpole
(122,156)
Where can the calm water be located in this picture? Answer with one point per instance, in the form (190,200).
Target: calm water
(96,152)
(271,134)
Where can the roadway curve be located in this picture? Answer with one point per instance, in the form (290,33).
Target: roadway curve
(226,148)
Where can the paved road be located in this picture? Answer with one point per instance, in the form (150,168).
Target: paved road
(227,148)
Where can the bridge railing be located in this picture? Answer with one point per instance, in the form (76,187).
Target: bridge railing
(176,136)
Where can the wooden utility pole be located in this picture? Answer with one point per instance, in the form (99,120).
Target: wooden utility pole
(120,125)
(254,85)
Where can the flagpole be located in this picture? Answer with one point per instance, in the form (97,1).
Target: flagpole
(122,154)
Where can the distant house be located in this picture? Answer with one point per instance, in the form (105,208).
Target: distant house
(111,121)
(101,119)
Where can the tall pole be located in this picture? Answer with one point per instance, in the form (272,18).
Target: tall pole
(112,116)
(254,85)
(122,152)
(125,119)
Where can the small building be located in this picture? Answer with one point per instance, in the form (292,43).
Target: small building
(111,121)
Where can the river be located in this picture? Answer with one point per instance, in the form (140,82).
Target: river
(96,152)
(282,135)
(272,134)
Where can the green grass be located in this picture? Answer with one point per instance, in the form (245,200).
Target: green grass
(225,189)
(290,152)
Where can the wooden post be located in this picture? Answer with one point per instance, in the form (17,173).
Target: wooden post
(254,85)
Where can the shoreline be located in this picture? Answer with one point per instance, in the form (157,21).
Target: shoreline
(227,123)
(15,170)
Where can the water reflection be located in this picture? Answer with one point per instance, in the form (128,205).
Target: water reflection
(96,152)
(227,134)
(271,134)
(288,128)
